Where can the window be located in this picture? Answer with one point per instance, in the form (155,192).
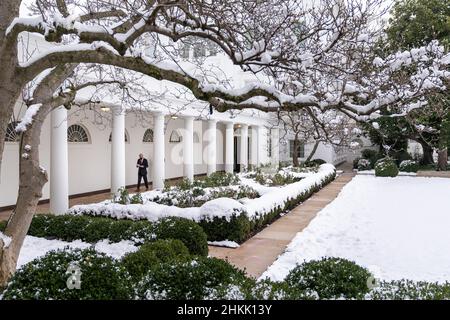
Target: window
(77,134)
(175,137)
(269,144)
(184,50)
(11,134)
(148,136)
(300,151)
(126,137)
(196,138)
(199,50)
(212,49)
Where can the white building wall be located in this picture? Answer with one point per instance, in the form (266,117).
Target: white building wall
(90,163)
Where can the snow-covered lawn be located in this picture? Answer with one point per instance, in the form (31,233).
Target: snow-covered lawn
(35,247)
(396,227)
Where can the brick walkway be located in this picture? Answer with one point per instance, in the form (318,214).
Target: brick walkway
(258,253)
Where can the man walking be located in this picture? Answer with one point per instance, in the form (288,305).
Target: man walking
(142,164)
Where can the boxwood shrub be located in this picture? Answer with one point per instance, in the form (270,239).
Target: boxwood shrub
(409,290)
(386,167)
(330,278)
(409,166)
(92,229)
(138,263)
(364,164)
(197,278)
(189,232)
(46,278)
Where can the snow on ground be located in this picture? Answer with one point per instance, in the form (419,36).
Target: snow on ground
(396,227)
(34,247)
(372,173)
(224,243)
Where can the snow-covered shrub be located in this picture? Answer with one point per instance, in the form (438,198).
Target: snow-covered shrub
(330,278)
(196,196)
(46,278)
(355,162)
(189,232)
(139,262)
(199,279)
(123,197)
(93,229)
(409,166)
(409,290)
(237,227)
(364,164)
(314,162)
(269,290)
(277,179)
(136,199)
(386,167)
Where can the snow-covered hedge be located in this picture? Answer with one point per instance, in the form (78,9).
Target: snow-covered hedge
(222,218)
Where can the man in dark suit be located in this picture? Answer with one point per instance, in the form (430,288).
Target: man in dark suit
(142,164)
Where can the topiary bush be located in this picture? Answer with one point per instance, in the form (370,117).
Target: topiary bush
(330,278)
(386,167)
(189,232)
(47,278)
(364,164)
(409,166)
(138,263)
(199,278)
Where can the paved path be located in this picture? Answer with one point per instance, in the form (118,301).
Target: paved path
(433,174)
(258,253)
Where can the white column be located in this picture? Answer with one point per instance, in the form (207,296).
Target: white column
(275,137)
(59,167)
(229,147)
(211,160)
(254,161)
(244,147)
(188,148)
(117,149)
(158,151)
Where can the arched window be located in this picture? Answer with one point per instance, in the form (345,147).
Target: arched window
(175,137)
(77,134)
(196,138)
(11,134)
(126,137)
(148,136)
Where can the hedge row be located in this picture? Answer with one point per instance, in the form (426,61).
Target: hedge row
(164,270)
(239,227)
(93,229)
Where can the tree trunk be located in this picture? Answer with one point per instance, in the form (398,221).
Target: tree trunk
(442,160)
(295,161)
(32,177)
(427,157)
(313,151)
(444,134)
(11,83)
